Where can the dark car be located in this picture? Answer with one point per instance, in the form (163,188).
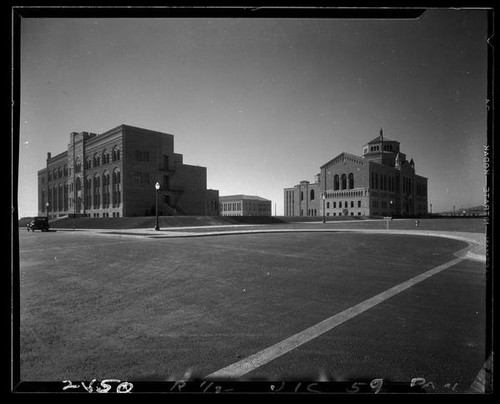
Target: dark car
(38,223)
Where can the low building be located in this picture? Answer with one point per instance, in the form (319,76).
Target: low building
(244,205)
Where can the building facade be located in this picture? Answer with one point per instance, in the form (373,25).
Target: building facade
(244,205)
(114,174)
(382,182)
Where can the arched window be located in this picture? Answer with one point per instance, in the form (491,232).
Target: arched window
(301,195)
(66,197)
(105,157)
(336,182)
(97,193)
(105,190)
(78,165)
(351,181)
(54,198)
(65,170)
(49,199)
(60,196)
(116,187)
(343,180)
(116,153)
(78,184)
(311,195)
(88,192)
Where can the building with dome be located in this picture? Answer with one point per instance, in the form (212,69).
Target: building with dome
(381,182)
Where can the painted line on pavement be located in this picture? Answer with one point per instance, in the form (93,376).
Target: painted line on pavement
(258,359)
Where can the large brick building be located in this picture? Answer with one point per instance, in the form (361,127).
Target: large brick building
(380,183)
(114,174)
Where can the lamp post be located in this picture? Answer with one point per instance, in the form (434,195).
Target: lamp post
(324,214)
(47,205)
(391,212)
(157,186)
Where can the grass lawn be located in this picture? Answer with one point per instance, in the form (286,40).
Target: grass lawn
(106,307)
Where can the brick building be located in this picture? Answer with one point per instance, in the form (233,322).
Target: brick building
(380,183)
(244,205)
(114,174)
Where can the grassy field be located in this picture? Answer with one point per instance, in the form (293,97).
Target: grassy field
(444,223)
(152,309)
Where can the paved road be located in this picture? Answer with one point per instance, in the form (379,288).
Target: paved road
(205,303)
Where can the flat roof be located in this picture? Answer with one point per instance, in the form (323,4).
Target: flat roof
(242,196)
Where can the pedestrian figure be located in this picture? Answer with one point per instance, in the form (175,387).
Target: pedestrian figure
(417,222)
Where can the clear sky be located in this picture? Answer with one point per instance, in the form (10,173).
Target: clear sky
(263,103)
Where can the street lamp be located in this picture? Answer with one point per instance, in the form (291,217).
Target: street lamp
(324,197)
(391,212)
(157,186)
(47,205)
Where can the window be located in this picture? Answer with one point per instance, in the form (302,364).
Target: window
(335,205)
(343,180)
(311,196)
(116,154)
(336,182)
(351,181)
(105,190)
(142,156)
(352,204)
(328,205)
(105,157)
(301,195)
(116,188)
(359,204)
(97,186)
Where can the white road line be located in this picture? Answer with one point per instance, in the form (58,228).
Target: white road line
(254,361)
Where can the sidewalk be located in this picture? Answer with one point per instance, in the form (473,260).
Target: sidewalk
(476,250)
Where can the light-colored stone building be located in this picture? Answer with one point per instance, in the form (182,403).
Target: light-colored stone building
(244,205)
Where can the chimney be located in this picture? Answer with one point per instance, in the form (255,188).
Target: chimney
(48,155)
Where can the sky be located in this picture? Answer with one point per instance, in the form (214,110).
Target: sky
(263,103)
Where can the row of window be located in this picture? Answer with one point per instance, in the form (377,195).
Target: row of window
(250,206)
(141,178)
(105,214)
(383,182)
(142,156)
(230,206)
(343,181)
(314,212)
(345,204)
(98,159)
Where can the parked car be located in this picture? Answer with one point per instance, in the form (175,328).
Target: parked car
(38,223)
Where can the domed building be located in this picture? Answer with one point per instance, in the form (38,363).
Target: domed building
(381,182)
